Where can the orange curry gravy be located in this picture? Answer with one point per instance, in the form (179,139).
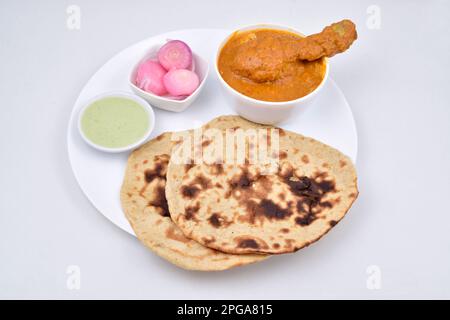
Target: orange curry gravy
(293,79)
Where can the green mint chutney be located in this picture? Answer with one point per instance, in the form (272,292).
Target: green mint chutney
(114,122)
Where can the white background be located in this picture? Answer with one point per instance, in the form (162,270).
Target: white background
(395,79)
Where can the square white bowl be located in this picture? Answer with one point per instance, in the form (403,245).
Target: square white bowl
(199,65)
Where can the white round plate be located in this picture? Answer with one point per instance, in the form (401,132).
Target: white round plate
(100,175)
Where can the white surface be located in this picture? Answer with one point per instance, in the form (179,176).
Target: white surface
(100,175)
(395,79)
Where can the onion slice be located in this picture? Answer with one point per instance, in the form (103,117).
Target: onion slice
(175,54)
(181,82)
(149,77)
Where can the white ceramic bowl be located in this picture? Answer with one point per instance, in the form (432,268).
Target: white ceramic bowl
(140,101)
(266,112)
(201,68)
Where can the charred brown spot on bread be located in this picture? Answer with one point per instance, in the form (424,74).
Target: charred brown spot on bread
(325,186)
(160,137)
(289,244)
(192,189)
(283,155)
(160,201)
(265,209)
(251,181)
(276,245)
(202,181)
(218,221)
(188,167)
(190,211)
(305,159)
(145,161)
(189,191)
(215,220)
(248,243)
(281,132)
(159,169)
(245,188)
(342,163)
(241,181)
(209,240)
(285,170)
(218,185)
(217,168)
(284,230)
(305,220)
(271,210)
(327,204)
(325,165)
(310,193)
(333,223)
(206,142)
(298,186)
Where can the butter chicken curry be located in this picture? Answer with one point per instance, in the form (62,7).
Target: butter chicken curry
(277,65)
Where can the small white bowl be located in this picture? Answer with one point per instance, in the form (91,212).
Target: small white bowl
(201,68)
(266,112)
(140,101)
